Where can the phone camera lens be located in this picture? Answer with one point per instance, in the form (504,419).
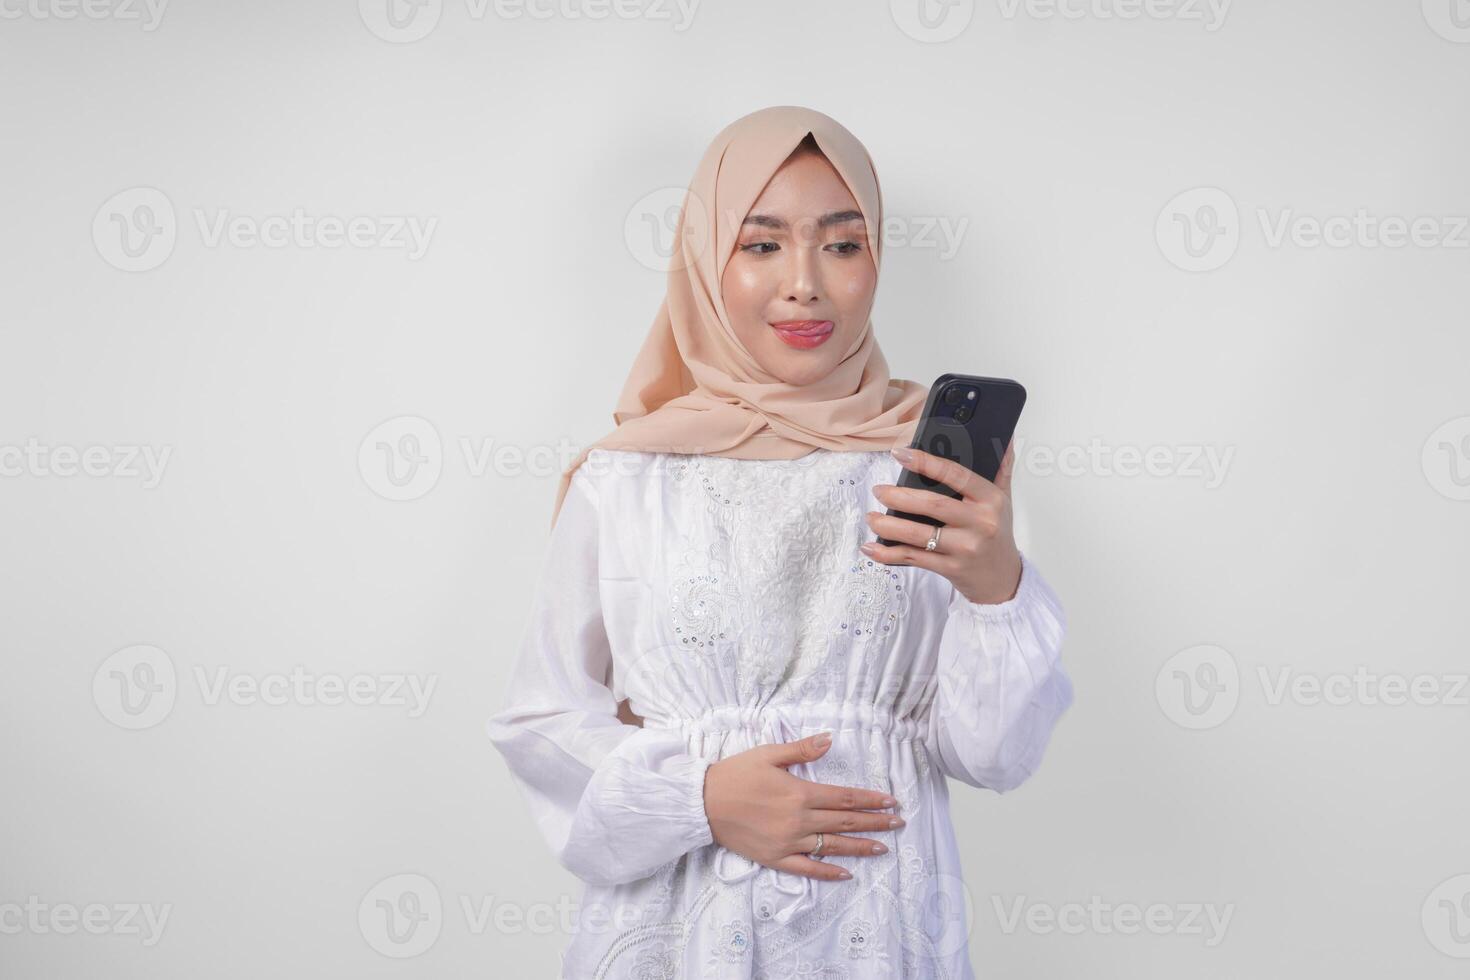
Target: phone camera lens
(963,413)
(954,394)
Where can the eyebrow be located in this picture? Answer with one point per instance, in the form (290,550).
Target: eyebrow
(825,221)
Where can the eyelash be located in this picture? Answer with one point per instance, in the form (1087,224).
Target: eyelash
(856,248)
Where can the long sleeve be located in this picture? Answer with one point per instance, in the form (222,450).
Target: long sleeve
(1000,685)
(615,802)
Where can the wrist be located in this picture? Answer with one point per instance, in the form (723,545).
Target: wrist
(1000,587)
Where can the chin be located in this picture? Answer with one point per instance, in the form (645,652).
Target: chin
(802,370)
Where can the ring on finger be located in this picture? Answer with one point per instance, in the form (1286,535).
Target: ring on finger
(816,851)
(933,544)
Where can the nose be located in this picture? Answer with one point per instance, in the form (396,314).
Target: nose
(804,284)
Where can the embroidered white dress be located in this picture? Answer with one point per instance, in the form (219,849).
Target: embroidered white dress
(728,599)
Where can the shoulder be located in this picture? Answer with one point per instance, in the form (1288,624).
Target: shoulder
(606,469)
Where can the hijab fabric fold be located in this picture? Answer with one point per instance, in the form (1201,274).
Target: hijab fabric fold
(693,387)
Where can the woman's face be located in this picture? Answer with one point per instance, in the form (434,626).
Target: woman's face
(799,285)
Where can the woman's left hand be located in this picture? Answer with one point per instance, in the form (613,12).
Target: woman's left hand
(977,549)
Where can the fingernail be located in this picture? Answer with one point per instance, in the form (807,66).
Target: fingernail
(824,740)
(889,801)
(844,874)
(879,849)
(896,822)
(867,547)
(902,455)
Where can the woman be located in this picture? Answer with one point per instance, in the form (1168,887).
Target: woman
(780,811)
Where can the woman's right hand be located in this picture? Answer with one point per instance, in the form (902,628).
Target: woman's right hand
(759,810)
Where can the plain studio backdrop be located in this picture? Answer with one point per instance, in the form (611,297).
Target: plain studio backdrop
(305,305)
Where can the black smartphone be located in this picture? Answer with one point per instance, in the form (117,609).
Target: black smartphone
(966,419)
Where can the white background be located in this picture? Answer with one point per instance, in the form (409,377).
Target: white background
(1054,142)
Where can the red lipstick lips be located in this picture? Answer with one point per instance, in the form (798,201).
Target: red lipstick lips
(803,334)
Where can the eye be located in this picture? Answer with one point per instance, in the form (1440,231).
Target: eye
(753,246)
(847,248)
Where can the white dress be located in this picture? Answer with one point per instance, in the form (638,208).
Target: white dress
(728,599)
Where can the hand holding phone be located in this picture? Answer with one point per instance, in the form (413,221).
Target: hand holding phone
(969,420)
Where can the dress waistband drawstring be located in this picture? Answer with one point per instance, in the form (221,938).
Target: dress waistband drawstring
(796,720)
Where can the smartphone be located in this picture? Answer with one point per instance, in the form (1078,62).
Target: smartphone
(966,419)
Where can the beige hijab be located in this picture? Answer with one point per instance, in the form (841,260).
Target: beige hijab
(694,388)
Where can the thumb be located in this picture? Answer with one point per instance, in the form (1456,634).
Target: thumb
(1007,469)
(799,751)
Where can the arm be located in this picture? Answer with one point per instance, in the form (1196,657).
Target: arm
(615,802)
(1000,685)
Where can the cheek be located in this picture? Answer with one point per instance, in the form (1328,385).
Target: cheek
(744,293)
(856,290)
